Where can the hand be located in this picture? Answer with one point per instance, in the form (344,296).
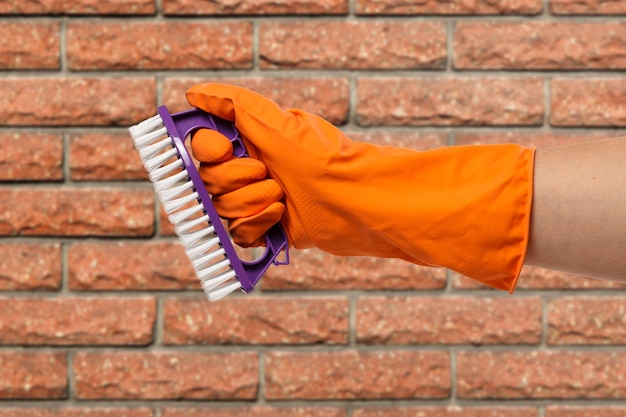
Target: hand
(464,208)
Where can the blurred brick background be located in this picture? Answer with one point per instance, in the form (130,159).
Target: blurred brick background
(101,315)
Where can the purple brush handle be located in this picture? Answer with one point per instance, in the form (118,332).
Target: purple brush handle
(180,126)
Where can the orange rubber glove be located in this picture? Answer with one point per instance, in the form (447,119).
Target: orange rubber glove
(466,208)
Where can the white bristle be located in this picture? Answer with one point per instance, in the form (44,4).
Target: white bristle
(172,206)
(200,262)
(146,126)
(222,291)
(176,191)
(159,160)
(171,193)
(197,250)
(185,214)
(191,238)
(148,138)
(159,173)
(152,149)
(185,227)
(216,280)
(170,181)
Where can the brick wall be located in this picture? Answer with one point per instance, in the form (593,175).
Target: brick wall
(101,314)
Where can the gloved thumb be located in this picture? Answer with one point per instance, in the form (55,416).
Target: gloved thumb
(257,118)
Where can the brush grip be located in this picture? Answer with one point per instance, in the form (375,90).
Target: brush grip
(182,125)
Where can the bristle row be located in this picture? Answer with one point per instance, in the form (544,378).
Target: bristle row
(182,204)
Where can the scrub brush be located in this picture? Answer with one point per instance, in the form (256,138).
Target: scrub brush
(160,141)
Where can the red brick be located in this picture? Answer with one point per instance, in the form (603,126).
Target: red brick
(465,101)
(29,375)
(76,101)
(543,279)
(30,266)
(78,7)
(588,102)
(316,270)
(104,156)
(129,266)
(601,7)
(256,411)
(76,212)
(587,321)
(541,374)
(536,139)
(77,321)
(264,320)
(438,7)
(449,320)
(167,376)
(31,156)
(159,45)
(29,45)
(585,411)
(355,45)
(539,45)
(357,375)
(254,7)
(450,411)
(76,412)
(327,97)
(414,140)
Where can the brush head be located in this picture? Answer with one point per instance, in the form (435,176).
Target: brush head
(160,143)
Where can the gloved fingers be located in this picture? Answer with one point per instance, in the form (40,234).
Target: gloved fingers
(231,175)
(248,231)
(248,200)
(210,146)
(260,121)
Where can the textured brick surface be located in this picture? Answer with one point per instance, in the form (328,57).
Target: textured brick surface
(536,139)
(29,45)
(77,412)
(102,156)
(102,314)
(450,101)
(452,411)
(585,411)
(256,321)
(544,279)
(600,7)
(30,266)
(256,411)
(88,7)
(452,320)
(31,156)
(255,7)
(588,102)
(33,375)
(371,45)
(76,101)
(156,45)
(357,375)
(316,270)
(77,321)
(540,45)
(435,7)
(327,97)
(547,374)
(130,266)
(76,212)
(411,139)
(217,376)
(587,321)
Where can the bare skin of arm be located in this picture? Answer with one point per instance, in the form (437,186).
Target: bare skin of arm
(578,220)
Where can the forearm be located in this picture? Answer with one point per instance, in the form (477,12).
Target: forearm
(578,219)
